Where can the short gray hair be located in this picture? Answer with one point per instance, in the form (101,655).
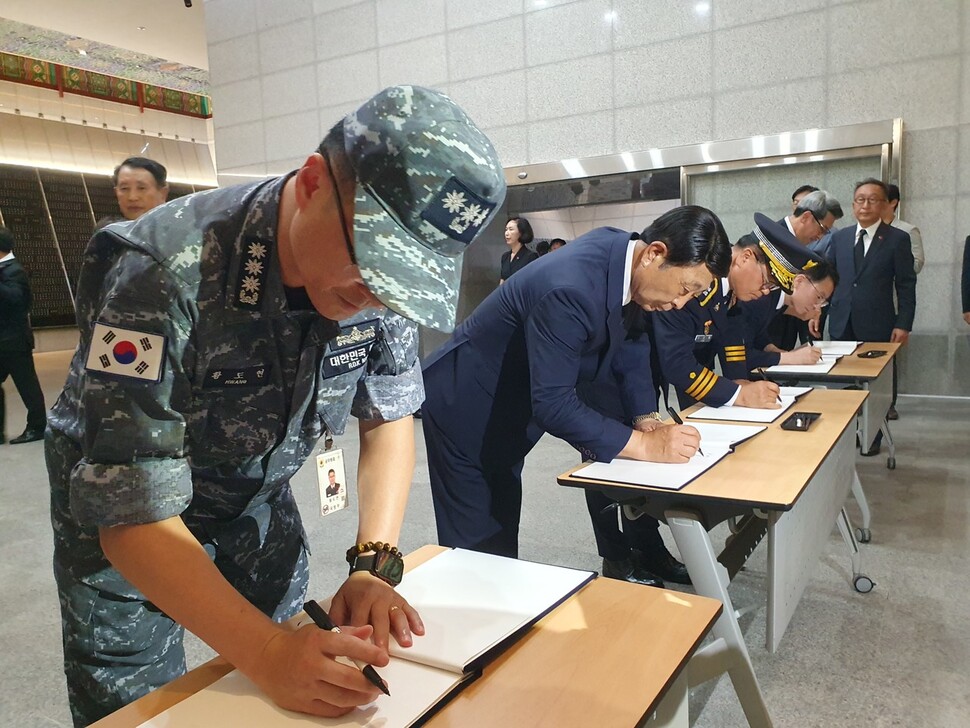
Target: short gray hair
(819,203)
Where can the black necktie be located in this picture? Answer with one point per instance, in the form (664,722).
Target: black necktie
(860,249)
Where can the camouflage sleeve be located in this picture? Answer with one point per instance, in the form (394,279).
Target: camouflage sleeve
(393,387)
(134,467)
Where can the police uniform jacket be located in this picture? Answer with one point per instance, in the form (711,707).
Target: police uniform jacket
(517,361)
(197,390)
(687,342)
(766,324)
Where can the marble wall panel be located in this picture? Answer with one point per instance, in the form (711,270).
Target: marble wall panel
(641,23)
(568,31)
(877,34)
(348,77)
(746,57)
(589,82)
(234,59)
(291,137)
(286,46)
(225,19)
(586,135)
(290,91)
(484,50)
(768,110)
(346,31)
(421,62)
(401,20)
(270,13)
(663,71)
(730,13)
(462,13)
(925,94)
(491,101)
(929,162)
(681,121)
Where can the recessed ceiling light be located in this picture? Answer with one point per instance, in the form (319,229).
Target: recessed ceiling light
(141,27)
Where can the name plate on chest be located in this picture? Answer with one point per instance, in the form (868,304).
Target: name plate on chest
(226,378)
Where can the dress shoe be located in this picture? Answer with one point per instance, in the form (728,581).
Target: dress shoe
(873,451)
(663,565)
(892,414)
(624,570)
(28,436)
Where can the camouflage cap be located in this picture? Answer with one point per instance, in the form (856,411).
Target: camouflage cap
(786,255)
(428,182)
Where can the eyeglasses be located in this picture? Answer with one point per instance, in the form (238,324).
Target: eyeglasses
(822,301)
(825,230)
(767,285)
(863,201)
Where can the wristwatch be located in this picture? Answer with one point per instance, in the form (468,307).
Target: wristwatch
(652,416)
(385,565)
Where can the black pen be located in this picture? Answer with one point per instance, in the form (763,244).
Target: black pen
(676,418)
(323,621)
(764,376)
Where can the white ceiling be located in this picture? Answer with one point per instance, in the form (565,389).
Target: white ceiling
(172,31)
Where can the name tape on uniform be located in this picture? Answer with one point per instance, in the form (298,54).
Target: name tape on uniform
(350,348)
(126,353)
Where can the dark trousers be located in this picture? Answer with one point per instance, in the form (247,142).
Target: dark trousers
(19,366)
(476,486)
(612,543)
(849,335)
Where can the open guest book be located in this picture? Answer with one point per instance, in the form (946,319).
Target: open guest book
(836,348)
(717,442)
(474,606)
(823,367)
(750,414)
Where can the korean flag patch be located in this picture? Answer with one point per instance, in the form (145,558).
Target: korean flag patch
(126,353)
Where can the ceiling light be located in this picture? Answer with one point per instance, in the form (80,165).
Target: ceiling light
(702,8)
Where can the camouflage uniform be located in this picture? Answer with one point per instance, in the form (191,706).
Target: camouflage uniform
(245,388)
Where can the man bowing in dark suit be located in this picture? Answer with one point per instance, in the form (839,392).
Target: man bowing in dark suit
(873,260)
(17,342)
(510,371)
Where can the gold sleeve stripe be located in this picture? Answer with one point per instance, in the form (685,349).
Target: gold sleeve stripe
(705,375)
(734,346)
(735,357)
(703,393)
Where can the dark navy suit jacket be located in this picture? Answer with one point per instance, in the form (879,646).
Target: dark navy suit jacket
(511,369)
(864,297)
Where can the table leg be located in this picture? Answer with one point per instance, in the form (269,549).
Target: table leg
(888,437)
(863,534)
(728,653)
(673,711)
(862,583)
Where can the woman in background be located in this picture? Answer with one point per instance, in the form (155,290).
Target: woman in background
(518,234)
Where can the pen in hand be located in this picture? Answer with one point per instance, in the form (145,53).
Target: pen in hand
(323,621)
(761,371)
(676,418)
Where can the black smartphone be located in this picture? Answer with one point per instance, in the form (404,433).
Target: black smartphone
(872,354)
(800,421)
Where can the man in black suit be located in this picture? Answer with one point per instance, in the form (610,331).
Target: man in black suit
(873,260)
(17,342)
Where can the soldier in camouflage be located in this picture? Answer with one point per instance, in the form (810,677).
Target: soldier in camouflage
(222,335)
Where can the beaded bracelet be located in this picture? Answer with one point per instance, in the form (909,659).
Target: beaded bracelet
(362,548)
